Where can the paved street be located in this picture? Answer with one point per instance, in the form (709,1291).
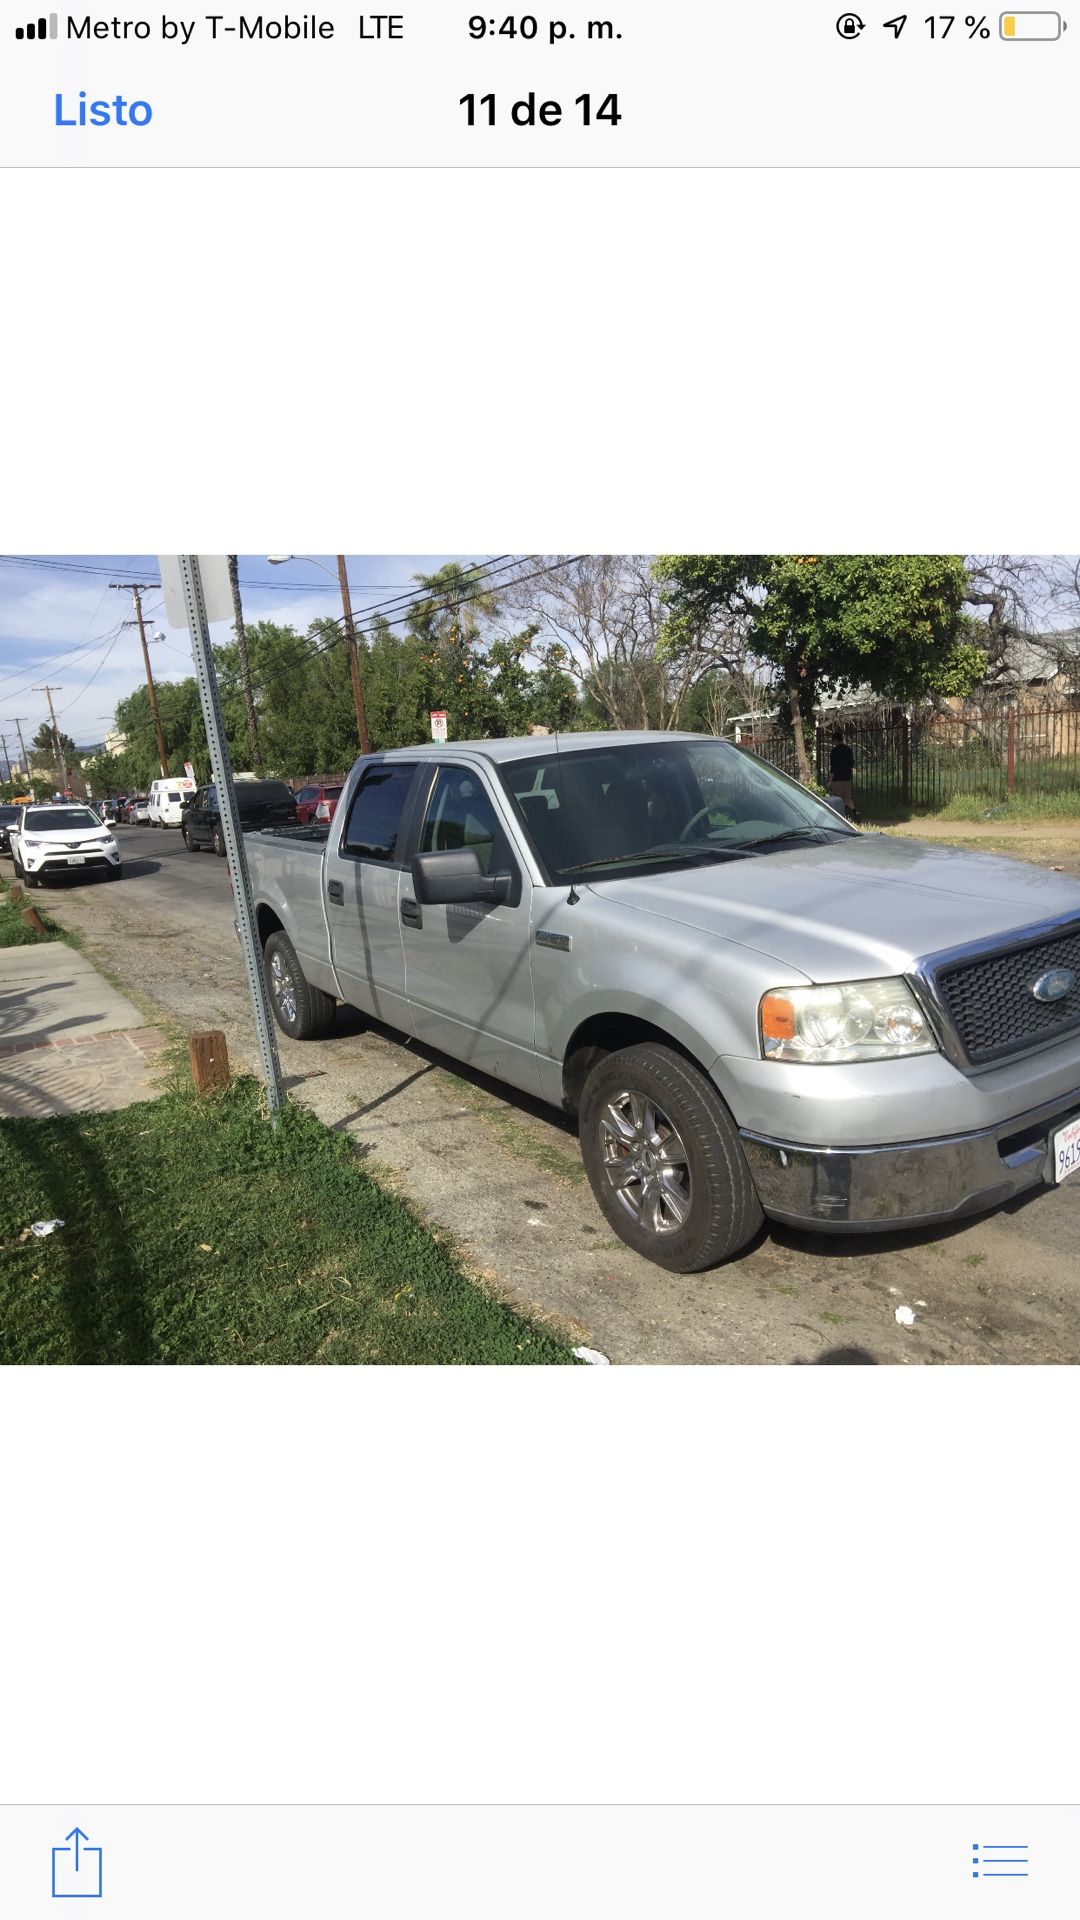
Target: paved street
(503,1176)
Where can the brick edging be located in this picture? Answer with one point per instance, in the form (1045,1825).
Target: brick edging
(141,1039)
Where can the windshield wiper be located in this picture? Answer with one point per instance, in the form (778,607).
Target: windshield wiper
(789,833)
(676,852)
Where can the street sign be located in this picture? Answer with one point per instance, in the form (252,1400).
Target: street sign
(189,771)
(216,586)
(438,726)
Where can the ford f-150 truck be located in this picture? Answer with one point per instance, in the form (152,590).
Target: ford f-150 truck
(751,1007)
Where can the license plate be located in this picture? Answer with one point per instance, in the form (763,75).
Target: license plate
(76,859)
(1067,1151)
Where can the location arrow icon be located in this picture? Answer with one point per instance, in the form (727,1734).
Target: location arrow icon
(897,25)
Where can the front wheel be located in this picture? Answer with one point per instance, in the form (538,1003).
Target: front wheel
(219,844)
(191,845)
(665,1161)
(32,879)
(301,1010)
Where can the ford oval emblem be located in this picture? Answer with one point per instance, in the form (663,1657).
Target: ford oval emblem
(1054,985)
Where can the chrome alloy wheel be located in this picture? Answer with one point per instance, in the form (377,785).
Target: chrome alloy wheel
(283,989)
(646,1162)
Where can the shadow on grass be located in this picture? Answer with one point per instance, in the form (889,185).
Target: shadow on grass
(101,1294)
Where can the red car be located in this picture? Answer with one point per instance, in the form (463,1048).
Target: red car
(318,802)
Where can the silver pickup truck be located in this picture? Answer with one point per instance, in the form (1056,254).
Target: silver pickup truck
(751,1007)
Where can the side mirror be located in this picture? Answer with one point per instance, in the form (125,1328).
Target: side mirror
(456,878)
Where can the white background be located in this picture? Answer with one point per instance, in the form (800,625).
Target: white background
(789,1584)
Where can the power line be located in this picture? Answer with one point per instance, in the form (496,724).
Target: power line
(425,597)
(287,586)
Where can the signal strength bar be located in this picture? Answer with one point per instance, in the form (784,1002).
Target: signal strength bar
(41,29)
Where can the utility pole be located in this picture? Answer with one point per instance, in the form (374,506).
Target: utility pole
(7,758)
(19,718)
(354,663)
(241,648)
(121,586)
(61,767)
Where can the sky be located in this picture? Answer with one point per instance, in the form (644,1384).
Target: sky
(61,623)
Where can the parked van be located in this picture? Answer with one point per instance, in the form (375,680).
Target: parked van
(168,798)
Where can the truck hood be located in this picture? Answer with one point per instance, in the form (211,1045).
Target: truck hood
(858,908)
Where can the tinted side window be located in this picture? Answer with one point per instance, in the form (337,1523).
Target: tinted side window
(460,814)
(374,821)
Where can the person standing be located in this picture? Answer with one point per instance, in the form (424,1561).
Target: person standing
(842,772)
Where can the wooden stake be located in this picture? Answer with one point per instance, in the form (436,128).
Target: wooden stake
(32,919)
(209,1058)
(15,893)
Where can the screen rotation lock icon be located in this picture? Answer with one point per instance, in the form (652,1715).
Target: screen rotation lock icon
(849,26)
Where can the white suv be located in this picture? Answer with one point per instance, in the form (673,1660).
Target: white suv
(59,839)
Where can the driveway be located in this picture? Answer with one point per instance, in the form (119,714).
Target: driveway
(502,1176)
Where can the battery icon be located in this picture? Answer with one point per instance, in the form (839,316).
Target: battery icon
(1031,26)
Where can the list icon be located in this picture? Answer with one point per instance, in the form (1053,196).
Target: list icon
(993,1861)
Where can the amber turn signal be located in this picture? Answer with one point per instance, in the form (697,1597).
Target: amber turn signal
(777,1017)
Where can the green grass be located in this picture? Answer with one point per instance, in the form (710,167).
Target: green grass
(1063,805)
(196,1234)
(13,930)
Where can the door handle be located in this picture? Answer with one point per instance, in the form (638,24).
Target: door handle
(412,915)
(335,892)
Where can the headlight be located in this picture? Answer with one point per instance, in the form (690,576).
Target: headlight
(33,843)
(860,1020)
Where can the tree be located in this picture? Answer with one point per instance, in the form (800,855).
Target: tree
(834,622)
(44,741)
(603,620)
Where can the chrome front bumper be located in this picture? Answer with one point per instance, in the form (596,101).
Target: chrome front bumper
(916,1183)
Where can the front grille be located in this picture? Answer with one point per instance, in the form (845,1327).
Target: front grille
(991,1003)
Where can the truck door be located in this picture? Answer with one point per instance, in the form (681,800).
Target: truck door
(362,875)
(467,968)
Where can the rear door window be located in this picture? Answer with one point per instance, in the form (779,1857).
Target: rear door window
(374,824)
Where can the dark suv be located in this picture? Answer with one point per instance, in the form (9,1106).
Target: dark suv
(261,803)
(8,817)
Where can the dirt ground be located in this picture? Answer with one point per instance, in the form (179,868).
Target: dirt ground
(502,1174)
(1047,843)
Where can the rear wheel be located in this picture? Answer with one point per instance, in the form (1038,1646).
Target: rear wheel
(301,1010)
(665,1161)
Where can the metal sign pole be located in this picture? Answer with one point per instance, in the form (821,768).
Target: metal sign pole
(206,678)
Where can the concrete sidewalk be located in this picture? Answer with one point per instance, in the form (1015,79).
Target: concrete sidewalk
(69,1042)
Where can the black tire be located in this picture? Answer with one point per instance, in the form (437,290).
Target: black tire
(32,879)
(219,844)
(191,845)
(707,1210)
(301,1010)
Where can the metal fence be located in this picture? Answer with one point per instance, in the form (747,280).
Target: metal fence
(922,761)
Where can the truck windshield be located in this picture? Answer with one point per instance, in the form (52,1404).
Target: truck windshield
(650,803)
